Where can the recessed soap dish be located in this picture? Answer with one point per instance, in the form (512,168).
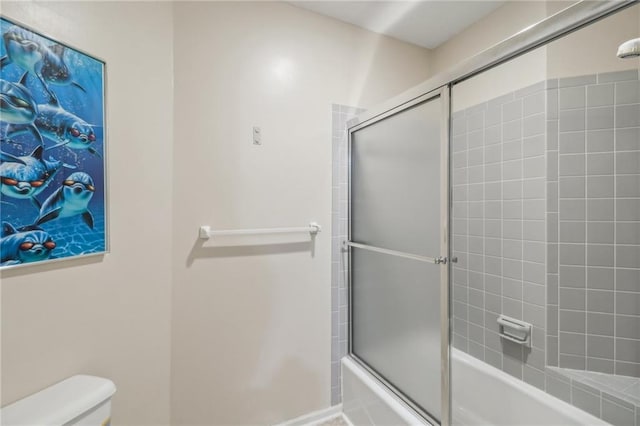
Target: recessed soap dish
(515,330)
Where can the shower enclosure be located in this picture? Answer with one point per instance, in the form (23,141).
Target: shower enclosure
(495,210)
(398,236)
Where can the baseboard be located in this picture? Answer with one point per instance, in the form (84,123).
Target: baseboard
(315,417)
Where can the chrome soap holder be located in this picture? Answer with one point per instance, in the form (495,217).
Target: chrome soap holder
(515,330)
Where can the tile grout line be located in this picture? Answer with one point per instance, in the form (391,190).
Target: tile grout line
(615,236)
(586,215)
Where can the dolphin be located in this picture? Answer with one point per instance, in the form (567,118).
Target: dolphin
(26,50)
(29,179)
(71,199)
(11,158)
(24,245)
(18,107)
(61,126)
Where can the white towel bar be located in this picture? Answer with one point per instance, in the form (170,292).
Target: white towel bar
(206,232)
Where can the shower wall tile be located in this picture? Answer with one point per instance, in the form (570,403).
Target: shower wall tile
(617,415)
(600,95)
(572,120)
(567,147)
(618,76)
(600,118)
(503,243)
(600,140)
(569,142)
(572,97)
(559,388)
(546,227)
(627,139)
(599,228)
(582,80)
(627,93)
(586,401)
(340,115)
(627,115)
(576,277)
(534,377)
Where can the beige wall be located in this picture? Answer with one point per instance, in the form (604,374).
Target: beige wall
(520,72)
(250,335)
(251,328)
(588,51)
(504,22)
(593,49)
(107,316)
(251,331)
(501,24)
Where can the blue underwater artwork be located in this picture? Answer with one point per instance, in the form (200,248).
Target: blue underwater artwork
(52,149)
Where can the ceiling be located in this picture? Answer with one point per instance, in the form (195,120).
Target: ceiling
(427,23)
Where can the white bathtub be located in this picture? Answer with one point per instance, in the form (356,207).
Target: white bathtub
(482,395)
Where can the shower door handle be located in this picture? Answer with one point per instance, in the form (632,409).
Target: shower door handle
(440,260)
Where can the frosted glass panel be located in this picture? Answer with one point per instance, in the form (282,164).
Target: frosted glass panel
(395,181)
(396,323)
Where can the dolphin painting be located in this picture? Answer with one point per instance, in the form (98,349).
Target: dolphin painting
(61,126)
(27,51)
(71,199)
(18,107)
(24,245)
(27,179)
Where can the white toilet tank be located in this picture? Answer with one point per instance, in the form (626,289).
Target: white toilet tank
(79,400)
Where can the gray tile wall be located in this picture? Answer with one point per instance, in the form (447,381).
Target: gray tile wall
(552,222)
(499,207)
(595,397)
(340,114)
(545,189)
(581,235)
(624,391)
(596,310)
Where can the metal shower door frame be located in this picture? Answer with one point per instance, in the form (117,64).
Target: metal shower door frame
(441,95)
(572,18)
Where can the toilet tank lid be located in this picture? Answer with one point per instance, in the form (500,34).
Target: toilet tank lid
(60,403)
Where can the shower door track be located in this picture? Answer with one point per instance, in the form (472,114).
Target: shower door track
(402,398)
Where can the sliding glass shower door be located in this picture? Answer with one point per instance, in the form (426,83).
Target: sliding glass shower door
(398,249)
